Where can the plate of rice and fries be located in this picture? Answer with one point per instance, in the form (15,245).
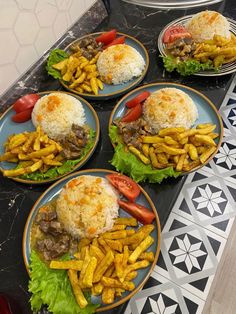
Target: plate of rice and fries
(213,55)
(104,271)
(29,155)
(76,66)
(171,151)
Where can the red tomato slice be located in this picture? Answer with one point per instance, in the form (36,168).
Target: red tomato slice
(22,116)
(107,37)
(117,41)
(141,213)
(177,29)
(174,37)
(25,102)
(132,114)
(138,99)
(124,185)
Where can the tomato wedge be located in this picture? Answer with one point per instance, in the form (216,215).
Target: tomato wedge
(117,41)
(22,116)
(132,114)
(25,102)
(138,99)
(175,32)
(124,185)
(107,37)
(141,213)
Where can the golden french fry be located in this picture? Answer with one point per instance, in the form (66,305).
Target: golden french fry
(118,227)
(171,150)
(72,274)
(104,245)
(213,135)
(17,140)
(29,142)
(85,265)
(132,267)
(162,158)
(192,150)
(133,274)
(120,234)
(170,131)
(145,149)
(90,68)
(114,283)
(97,288)
(204,156)
(89,272)
(119,292)
(93,74)
(100,84)
(118,265)
(96,252)
(94,85)
(180,163)
(114,245)
(169,140)
(6,156)
(205,139)
(153,158)
(83,242)
(108,295)
(78,73)
(138,154)
(14,172)
(126,221)
(60,65)
(78,81)
(103,266)
(149,256)
(73,264)
(140,249)
(152,139)
(125,256)
(50,162)
(203,125)
(86,87)
(42,152)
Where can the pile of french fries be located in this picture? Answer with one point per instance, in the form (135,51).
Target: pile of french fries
(32,151)
(80,73)
(220,50)
(107,265)
(179,148)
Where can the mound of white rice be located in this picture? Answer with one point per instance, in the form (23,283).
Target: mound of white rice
(87,206)
(120,63)
(56,112)
(206,24)
(169,107)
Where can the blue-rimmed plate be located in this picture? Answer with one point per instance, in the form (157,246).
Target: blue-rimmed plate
(207,113)
(110,91)
(143,199)
(226,68)
(8,127)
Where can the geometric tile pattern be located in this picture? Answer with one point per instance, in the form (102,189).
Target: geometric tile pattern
(196,231)
(48,21)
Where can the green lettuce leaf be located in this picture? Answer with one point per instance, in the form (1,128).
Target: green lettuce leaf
(67,166)
(128,163)
(56,55)
(187,67)
(52,287)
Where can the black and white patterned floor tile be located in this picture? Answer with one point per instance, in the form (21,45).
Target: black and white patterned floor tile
(208,200)
(164,297)
(196,231)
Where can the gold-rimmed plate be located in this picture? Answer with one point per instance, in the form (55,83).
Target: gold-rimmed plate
(8,127)
(110,91)
(207,113)
(143,199)
(226,68)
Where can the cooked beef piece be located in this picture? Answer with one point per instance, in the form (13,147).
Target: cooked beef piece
(88,47)
(75,141)
(46,216)
(54,247)
(183,48)
(51,227)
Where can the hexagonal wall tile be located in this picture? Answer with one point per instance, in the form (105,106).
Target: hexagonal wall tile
(8,75)
(26,56)
(61,24)
(77,8)
(46,11)
(26,28)
(63,4)
(8,52)
(26,4)
(44,40)
(8,13)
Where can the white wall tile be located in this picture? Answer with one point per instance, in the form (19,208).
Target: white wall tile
(9,46)
(46,11)
(26,28)
(8,13)
(44,39)
(8,75)
(25,57)
(31,27)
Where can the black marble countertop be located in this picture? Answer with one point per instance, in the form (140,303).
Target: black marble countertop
(17,199)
